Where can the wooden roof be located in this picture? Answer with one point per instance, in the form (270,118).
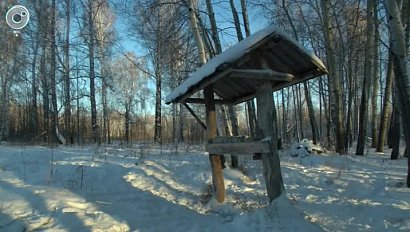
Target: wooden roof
(270,55)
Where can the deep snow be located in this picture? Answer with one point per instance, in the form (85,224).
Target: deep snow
(152,189)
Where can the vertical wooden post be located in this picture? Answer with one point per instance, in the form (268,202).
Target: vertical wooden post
(217,173)
(270,161)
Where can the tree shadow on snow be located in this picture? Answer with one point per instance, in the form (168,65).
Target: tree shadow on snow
(36,214)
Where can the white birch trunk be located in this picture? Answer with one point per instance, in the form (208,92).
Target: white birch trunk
(400,59)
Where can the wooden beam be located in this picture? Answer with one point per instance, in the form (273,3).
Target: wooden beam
(270,161)
(215,159)
(265,74)
(194,115)
(242,148)
(202,101)
(202,85)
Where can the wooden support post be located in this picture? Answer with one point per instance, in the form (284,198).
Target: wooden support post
(270,161)
(194,115)
(217,172)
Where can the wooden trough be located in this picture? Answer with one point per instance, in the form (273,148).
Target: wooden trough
(267,61)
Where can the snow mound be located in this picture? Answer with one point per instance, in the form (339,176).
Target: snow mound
(280,215)
(305,148)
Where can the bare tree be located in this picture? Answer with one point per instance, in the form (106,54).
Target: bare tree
(335,96)
(386,111)
(52,74)
(104,32)
(91,41)
(368,76)
(129,88)
(66,71)
(8,70)
(400,59)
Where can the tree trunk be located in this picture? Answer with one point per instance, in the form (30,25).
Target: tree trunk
(235,132)
(91,48)
(400,61)
(197,35)
(54,110)
(4,115)
(106,116)
(245,18)
(335,96)
(349,124)
(45,94)
(158,115)
(295,112)
(386,106)
(34,113)
(181,137)
(250,103)
(78,105)
(127,122)
(312,117)
(375,80)
(368,76)
(158,80)
(67,82)
(236,20)
(395,132)
(300,110)
(214,28)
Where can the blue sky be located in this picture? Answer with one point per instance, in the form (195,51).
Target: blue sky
(224,21)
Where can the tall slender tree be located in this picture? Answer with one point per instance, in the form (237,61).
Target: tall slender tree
(387,106)
(400,59)
(66,70)
(335,96)
(368,76)
(104,24)
(90,12)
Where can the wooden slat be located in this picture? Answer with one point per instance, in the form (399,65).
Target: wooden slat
(202,85)
(243,148)
(195,116)
(261,74)
(228,139)
(202,101)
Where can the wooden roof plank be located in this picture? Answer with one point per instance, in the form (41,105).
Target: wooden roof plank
(261,74)
(238,71)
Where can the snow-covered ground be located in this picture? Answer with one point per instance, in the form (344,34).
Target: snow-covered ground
(151,189)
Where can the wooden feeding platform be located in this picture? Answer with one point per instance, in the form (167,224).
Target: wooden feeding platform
(266,61)
(238,145)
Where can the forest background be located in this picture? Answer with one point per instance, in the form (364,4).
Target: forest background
(97,71)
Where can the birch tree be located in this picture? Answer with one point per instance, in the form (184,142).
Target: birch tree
(104,25)
(8,70)
(335,96)
(66,71)
(90,38)
(129,88)
(387,106)
(368,76)
(400,58)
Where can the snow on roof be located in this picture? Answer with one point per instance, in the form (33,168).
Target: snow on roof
(230,56)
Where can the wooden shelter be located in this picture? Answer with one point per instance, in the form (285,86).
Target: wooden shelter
(267,61)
